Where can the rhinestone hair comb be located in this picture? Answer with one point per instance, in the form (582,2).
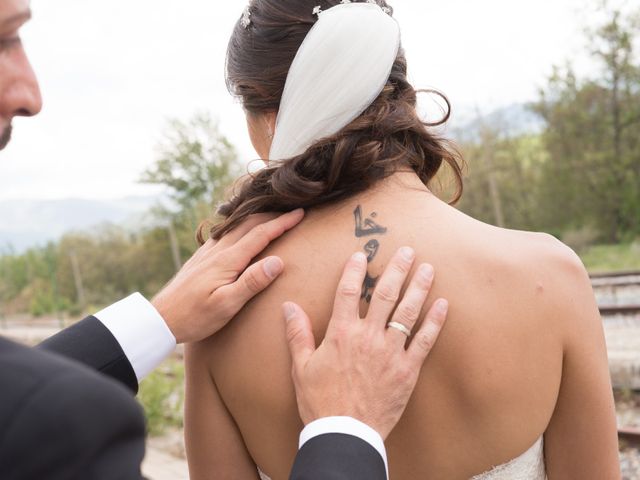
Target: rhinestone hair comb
(246,17)
(386,10)
(245,21)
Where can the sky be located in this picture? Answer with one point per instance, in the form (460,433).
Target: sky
(112,73)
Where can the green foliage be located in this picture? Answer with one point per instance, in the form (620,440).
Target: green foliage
(610,258)
(514,167)
(593,176)
(582,174)
(196,163)
(162,397)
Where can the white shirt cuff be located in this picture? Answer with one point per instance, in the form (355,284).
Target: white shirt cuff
(141,332)
(347,426)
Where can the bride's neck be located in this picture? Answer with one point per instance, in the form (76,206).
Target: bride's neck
(402,181)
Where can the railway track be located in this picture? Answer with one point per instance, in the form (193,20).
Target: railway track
(618,295)
(629,437)
(620,309)
(618,274)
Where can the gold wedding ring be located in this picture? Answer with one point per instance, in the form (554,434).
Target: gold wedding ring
(400,327)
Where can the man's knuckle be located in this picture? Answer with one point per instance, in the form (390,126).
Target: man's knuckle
(364,349)
(337,336)
(252,282)
(386,293)
(380,346)
(261,232)
(404,373)
(410,376)
(425,341)
(401,267)
(408,312)
(348,290)
(223,307)
(425,283)
(293,333)
(220,259)
(260,218)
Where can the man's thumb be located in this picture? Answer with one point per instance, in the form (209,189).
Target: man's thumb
(299,334)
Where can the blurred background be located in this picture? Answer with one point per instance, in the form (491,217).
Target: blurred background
(101,193)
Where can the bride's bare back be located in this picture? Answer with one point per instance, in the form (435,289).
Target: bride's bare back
(522,354)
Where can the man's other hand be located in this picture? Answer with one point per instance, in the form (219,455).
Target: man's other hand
(217,281)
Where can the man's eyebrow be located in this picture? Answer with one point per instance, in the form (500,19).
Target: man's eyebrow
(17,18)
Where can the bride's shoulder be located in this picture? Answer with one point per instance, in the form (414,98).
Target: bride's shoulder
(561,279)
(551,254)
(539,259)
(526,251)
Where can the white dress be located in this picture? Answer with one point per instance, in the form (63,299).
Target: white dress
(528,466)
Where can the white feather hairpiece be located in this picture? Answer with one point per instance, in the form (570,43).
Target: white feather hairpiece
(339,70)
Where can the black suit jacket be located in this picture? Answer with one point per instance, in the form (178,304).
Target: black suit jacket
(62,421)
(327,457)
(92,344)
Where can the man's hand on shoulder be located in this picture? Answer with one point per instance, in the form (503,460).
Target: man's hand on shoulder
(218,280)
(363,368)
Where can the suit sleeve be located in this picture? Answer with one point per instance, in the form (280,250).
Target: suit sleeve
(337,456)
(91,343)
(126,341)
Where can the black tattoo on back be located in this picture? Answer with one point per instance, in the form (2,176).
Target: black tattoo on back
(368,227)
(371,249)
(368,286)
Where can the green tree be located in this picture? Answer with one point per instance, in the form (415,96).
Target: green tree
(503,184)
(593,176)
(196,163)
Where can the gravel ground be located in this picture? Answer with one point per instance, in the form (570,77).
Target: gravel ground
(628,414)
(630,464)
(159,465)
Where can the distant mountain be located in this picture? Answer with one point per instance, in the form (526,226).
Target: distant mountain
(513,120)
(30,223)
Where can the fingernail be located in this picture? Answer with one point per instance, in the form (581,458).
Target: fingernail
(426,271)
(298,211)
(273,267)
(360,258)
(407,253)
(442,306)
(289,311)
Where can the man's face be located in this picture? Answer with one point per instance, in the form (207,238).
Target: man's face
(19,91)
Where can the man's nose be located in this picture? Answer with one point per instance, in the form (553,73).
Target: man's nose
(22,97)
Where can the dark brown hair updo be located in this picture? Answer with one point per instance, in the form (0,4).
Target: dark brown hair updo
(388,136)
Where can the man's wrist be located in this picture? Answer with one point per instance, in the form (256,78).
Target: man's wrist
(141,331)
(346,426)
